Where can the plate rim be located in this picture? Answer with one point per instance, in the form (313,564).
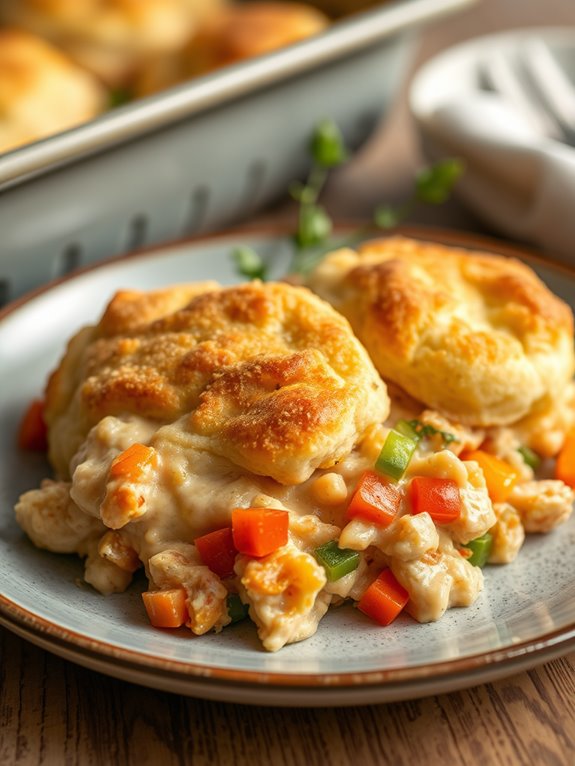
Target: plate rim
(539,649)
(258,693)
(552,642)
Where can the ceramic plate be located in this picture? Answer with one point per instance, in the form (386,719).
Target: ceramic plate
(525,615)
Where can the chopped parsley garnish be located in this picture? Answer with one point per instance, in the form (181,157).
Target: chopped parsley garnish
(426,431)
(313,239)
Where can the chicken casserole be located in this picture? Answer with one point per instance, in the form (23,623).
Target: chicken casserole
(239,445)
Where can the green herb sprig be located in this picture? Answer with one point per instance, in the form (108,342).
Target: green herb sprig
(433,186)
(119,97)
(426,430)
(313,239)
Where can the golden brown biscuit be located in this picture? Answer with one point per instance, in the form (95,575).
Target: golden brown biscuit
(127,311)
(230,35)
(42,92)
(273,377)
(478,337)
(256,28)
(130,309)
(110,37)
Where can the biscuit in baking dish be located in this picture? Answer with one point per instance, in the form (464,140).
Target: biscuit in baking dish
(477,336)
(108,38)
(234,33)
(268,376)
(242,31)
(42,92)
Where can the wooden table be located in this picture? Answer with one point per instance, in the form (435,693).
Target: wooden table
(54,712)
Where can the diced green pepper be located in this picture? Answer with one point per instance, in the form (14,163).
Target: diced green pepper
(395,455)
(336,561)
(407,428)
(530,458)
(480,549)
(237,610)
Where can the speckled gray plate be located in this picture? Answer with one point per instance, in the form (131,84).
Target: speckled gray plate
(525,615)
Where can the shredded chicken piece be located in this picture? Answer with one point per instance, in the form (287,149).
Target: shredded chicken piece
(504,444)
(545,430)
(206,595)
(283,593)
(542,505)
(308,532)
(508,534)
(115,547)
(103,575)
(407,537)
(443,465)
(477,515)
(346,585)
(437,581)
(53,521)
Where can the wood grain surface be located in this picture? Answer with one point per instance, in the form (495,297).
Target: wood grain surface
(54,712)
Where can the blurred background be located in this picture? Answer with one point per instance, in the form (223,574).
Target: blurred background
(125,124)
(385,169)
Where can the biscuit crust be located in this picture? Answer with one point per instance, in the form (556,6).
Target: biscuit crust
(476,336)
(42,92)
(154,25)
(239,32)
(268,376)
(230,34)
(109,38)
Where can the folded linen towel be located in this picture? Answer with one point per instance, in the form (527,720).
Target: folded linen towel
(517,179)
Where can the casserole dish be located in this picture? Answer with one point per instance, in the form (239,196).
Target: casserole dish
(199,156)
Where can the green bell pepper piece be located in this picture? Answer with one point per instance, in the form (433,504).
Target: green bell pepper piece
(480,549)
(395,455)
(336,561)
(405,428)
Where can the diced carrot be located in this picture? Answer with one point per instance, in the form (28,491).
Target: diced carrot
(384,598)
(132,462)
(439,498)
(500,477)
(32,434)
(218,552)
(376,500)
(259,531)
(565,465)
(166,608)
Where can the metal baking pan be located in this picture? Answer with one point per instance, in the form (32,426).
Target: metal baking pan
(200,156)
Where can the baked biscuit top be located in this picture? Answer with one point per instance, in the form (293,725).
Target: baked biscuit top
(268,376)
(42,91)
(242,31)
(150,25)
(477,336)
(232,33)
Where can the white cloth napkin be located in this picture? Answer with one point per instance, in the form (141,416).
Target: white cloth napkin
(517,179)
